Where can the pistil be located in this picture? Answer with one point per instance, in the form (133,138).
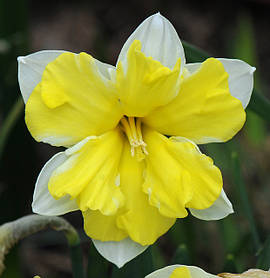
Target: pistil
(132,128)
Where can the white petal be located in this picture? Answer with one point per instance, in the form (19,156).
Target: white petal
(164,272)
(240,77)
(192,67)
(31,67)
(221,208)
(159,40)
(119,252)
(106,70)
(43,202)
(195,272)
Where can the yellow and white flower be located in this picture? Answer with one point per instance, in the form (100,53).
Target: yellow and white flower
(132,165)
(180,271)
(184,271)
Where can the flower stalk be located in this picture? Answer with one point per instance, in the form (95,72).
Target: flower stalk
(237,175)
(12,232)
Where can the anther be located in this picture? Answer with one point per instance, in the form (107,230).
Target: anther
(132,128)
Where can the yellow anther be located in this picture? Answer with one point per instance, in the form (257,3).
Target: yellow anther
(140,155)
(132,128)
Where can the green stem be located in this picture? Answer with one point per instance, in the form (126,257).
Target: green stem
(76,260)
(9,122)
(12,232)
(239,182)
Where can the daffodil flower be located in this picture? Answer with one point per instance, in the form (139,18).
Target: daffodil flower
(180,271)
(132,164)
(184,271)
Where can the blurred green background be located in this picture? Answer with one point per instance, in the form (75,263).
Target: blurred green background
(235,29)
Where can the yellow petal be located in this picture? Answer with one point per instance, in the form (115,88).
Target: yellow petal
(143,83)
(181,272)
(102,227)
(72,101)
(178,176)
(90,174)
(143,222)
(204,110)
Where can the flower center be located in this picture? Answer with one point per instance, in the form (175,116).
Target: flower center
(132,128)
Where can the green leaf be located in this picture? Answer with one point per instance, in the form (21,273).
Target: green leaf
(97,265)
(244,46)
(230,264)
(181,255)
(138,267)
(245,49)
(231,236)
(243,197)
(9,123)
(193,53)
(264,256)
(158,257)
(260,105)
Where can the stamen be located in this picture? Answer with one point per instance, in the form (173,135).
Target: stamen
(127,130)
(139,130)
(132,128)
